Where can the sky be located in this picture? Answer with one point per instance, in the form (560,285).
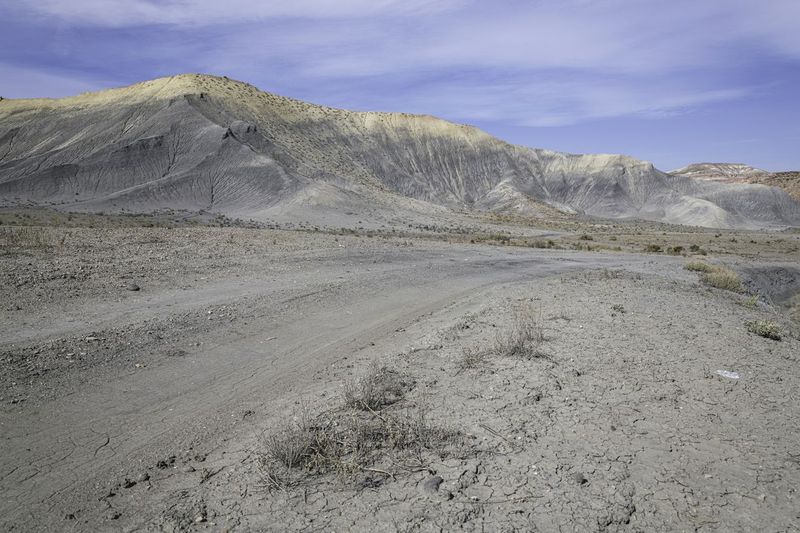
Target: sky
(673,82)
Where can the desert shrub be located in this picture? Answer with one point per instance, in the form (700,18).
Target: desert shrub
(379,387)
(723,278)
(523,338)
(751,301)
(292,444)
(541,244)
(586,237)
(652,248)
(27,237)
(348,442)
(675,250)
(698,266)
(473,358)
(765,328)
(618,308)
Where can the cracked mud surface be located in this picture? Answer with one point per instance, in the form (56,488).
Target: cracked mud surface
(147,410)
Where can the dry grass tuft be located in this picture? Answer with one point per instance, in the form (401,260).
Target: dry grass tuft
(723,278)
(524,337)
(765,328)
(699,266)
(473,358)
(379,387)
(350,442)
(31,237)
(751,301)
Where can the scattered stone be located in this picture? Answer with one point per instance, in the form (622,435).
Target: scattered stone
(132,287)
(579,478)
(432,483)
(128,483)
(144,476)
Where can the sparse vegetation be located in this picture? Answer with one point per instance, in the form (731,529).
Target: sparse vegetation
(31,237)
(699,266)
(379,387)
(675,250)
(751,302)
(723,278)
(523,338)
(765,328)
(349,442)
(473,358)
(618,308)
(652,248)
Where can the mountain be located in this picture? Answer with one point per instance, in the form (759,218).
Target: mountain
(719,171)
(739,173)
(204,142)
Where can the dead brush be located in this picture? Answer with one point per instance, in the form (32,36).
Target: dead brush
(699,266)
(350,442)
(723,278)
(473,358)
(765,328)
(379,387)
(525,336)
(27,237)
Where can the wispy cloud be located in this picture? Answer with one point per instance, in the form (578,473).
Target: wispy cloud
(122,13)
(542,63)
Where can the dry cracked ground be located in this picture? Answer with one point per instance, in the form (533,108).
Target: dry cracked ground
(200,378)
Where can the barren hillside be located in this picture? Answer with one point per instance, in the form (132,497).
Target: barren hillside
(202,142)
(738,173)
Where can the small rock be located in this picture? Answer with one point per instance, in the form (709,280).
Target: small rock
(432,483)
(199,519)
(114,515)
(128,483)
(144,476)
(132,287)
(579,478)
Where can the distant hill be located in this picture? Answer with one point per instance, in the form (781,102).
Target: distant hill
(739,173)
(205,142)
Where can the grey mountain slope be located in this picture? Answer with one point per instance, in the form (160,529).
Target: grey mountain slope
(719,171)
(203,142)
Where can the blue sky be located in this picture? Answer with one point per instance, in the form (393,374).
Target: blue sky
(672,82)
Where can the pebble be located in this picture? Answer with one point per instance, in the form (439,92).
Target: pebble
(579,478)
(432,483)
(132,287)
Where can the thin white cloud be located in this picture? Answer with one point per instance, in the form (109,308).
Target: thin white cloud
(121,13)
(549,62)
(553,103)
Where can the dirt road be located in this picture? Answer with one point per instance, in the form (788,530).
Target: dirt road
(250,340)
(142,369)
